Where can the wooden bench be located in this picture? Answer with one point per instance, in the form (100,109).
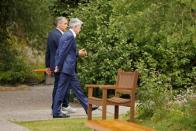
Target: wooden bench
(48,78)
(126,83)
(115,125)
(40,70)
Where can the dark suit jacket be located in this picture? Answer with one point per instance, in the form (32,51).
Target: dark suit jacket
(52,45)
(66,55)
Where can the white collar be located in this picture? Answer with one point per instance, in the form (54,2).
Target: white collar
(73,33)
(60,30)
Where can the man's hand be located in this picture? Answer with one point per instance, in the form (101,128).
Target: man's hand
(82,52)
(56,69)
(48,71)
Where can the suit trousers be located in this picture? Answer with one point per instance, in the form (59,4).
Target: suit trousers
(66,98)
(66,81)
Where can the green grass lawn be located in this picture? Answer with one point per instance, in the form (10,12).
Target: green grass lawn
(74,124)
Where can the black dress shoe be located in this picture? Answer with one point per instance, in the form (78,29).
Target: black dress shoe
(61,116)
(95,108)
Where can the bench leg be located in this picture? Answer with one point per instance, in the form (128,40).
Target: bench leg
(104,108)
(89,111)
(116,111)
(132,113)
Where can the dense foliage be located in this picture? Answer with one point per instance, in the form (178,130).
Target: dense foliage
(23,27)
(155,37)
(65,7)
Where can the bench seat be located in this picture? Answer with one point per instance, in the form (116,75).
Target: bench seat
(115,125)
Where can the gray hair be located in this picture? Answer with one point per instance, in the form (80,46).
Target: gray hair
(75,22)
(59,20)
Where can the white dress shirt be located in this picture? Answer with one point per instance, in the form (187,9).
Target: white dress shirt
(60,30)
(73,33)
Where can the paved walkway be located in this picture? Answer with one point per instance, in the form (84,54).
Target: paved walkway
(33,103)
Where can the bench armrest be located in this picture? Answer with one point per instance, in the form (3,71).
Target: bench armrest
(40,70)
(123,88)
(100,86)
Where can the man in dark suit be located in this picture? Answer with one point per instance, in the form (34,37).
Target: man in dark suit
(52,45)
(66,58)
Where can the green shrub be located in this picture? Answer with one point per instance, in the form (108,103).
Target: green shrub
(177,117)
(17,61)
(22,24)
(154,37)
(15,72)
